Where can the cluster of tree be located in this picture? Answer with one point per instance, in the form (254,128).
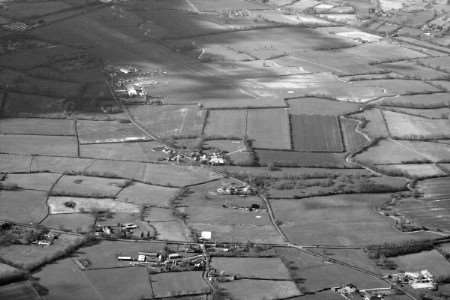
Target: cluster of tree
(402,248)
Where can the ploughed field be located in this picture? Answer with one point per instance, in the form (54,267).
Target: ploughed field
(340,131)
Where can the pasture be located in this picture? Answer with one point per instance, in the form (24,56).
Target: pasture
(90,132)
(37,126)
(301,159)
(67,165)
(316,133)
(87,186)
(353,140)
(133,151)
(434,100)
(260,289)
(315,106)
(73,222)
(149,195)
(226,123)
(11,163)
(57,205)
(38,144)
(23,206)
(178,284)
(251,267)
(33,181)
(432,261)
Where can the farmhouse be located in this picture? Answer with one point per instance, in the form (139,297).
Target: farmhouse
(417,280)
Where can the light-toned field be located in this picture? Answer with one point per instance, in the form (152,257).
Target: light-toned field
(87,186)
(178,284)
(432,261)
(122,283)
(38,144)
(145,194)
(418,101)
(64,277)
(90,132)
(37,126)
(170,120)
(261,289)
(336,216)
(157,214)
(72,222)
(434,187)
(315,106)
(33,181)
(251,267)
(171,231)
(56,205)
(10,163)
(316,133)
(134,151)
(405,126)
(439,63)
(226,123)
(413,170)
(23,206)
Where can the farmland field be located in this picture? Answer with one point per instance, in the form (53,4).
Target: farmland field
(90,132)
(33,181)
(412,127)
(19,291)
(23,206)
(315,106)
(375,126)
(269,128)
(145,194)
(37,126)
(418,101)
(38,144)
(413,170)
(226,123)
(67,165)
(336,215)
(72,222)
(178,284)
(87,186)
(57,206)
(134,151)
(435,113)
(260,289)
(248,267)
(11,163)
(436,187)
(316,133)
(353,140)
(301,159)
(432,261)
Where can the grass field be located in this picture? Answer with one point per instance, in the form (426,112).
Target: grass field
(122,283)
(72,222)
(63,278)
(316,133)
(19,291)
(412,69)
(174,230)
(226,123)
(301,159)
(37,126)
(145,194)
(336,216)
(315,106)
(107,132)
(353,140)
(38,144)
(418,101)
(23,206)
(170,120)
(269,128)
(178,284)
(9,274)
(375,126)
(33,181)
(116,169)
(87,186)
(439,63)
(432,261)
(56,205)
(435,187)
(134,151)
(250,267)
(413,170)
(260,289)
(435,113)
(10,163)
(59,164)
(405,126)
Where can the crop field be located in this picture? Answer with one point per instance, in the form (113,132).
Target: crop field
(19,291)
(226,123)
(116,169)
(145,194)
(122,283)
(250,267)
(23,206)
(405,126)
(438,63)
(87,186)
(10,163)
(171,175)
(414,70)
(435,187)
(30,257)
(273,134)
(418,101)
(336,216)
(353,140)
(68,165)
(134,151)
(435,113)
(301,159)
(57,206)
(72,222)
(432,261)
(260,289)
(316,133)
(170,120)
(38,144)
(90,132)
(37,126)
(413,170)
(435,152)
(33,181)
(315,106)
(64,277)
(178,284)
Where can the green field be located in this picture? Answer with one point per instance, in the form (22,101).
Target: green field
(250,267)
(23,206)
(178,284)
